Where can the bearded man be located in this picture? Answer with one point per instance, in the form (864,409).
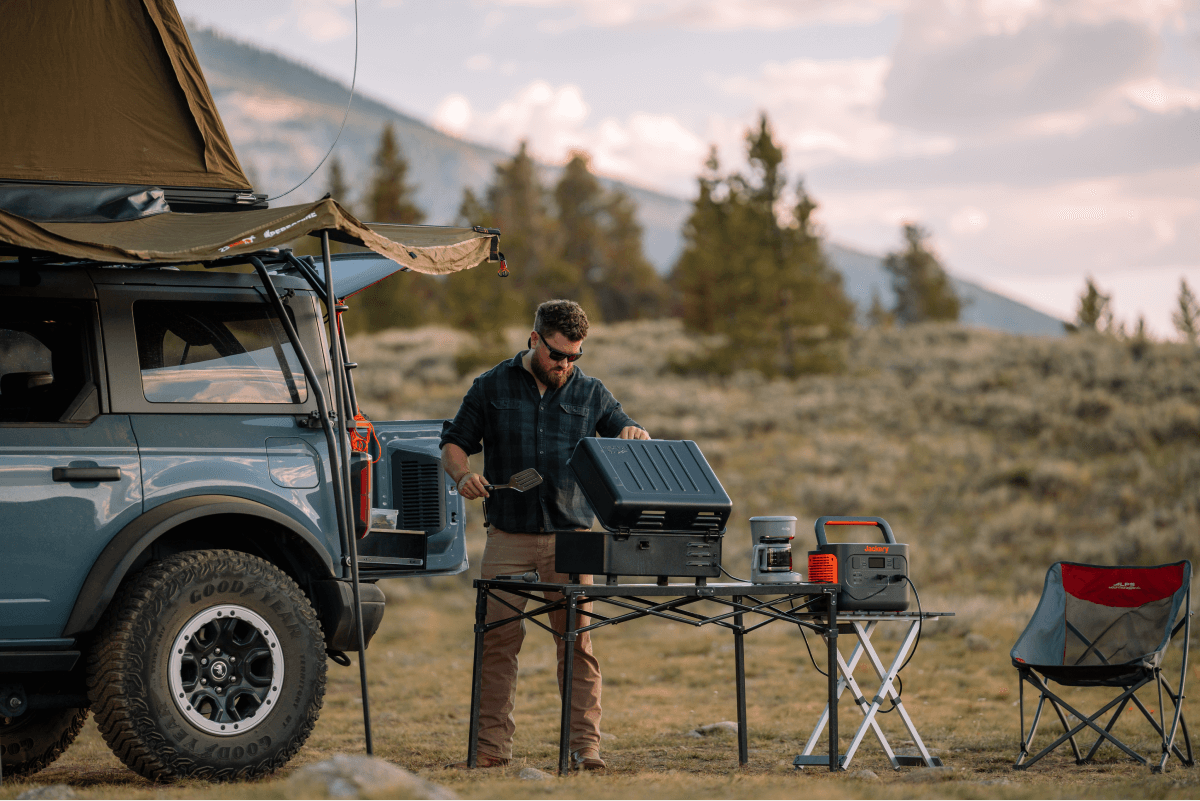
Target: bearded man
(530,411)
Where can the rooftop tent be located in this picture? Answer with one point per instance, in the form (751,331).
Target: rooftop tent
(108,92)
(110,137)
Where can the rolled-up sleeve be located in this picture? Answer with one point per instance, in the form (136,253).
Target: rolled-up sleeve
(612,417)
(466,429)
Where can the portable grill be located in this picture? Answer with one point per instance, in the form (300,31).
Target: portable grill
(661,505)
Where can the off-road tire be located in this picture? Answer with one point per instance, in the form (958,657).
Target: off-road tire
(129,681)
(34,740)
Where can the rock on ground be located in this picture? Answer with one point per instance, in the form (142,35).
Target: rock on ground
(360,776)
(533,775)
(724,727)
(50,791)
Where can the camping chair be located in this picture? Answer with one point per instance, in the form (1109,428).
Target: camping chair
(1106,627)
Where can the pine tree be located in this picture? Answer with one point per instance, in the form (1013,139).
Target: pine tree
(479,300)
(404,300)
(877,315)
(601,238)
(1094,312)
(698,272)
(923,290)
(338,189)
(1186,316)
(764,284)
(390,196)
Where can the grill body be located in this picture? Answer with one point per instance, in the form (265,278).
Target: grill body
(663,508)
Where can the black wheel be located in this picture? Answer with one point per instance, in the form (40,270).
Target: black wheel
(32,741)
(208,664)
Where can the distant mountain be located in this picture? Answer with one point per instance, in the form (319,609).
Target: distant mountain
(863,277)
(283,115)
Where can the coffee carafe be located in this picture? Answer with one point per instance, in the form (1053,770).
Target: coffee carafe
(771,559)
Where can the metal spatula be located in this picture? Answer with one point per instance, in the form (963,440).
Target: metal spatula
(524,480)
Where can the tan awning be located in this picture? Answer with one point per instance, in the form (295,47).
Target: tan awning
(174,238)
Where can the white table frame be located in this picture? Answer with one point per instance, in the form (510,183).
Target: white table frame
(886,690)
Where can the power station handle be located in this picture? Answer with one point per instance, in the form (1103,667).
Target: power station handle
(86,474)
(879,522)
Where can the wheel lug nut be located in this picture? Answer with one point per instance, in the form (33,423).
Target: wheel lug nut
(204,661)
(233,659)
(204,681)
(219,691)
(217,652)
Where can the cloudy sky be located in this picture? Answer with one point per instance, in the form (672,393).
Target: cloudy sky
(1039,142)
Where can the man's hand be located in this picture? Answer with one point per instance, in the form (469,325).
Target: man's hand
(473,486)
(633,432)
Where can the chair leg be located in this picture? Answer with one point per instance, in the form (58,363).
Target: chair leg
(1027,739)
(1086,721)
(1112,722)
(1178,725)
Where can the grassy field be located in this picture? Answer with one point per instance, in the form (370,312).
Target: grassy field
(664,680)
(991,455)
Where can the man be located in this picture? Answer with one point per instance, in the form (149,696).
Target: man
(530,411)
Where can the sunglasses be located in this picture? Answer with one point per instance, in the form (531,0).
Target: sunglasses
(558,355)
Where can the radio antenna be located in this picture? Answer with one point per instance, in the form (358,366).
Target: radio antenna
(345,116)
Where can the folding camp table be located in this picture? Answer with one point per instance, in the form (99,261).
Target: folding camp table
(863,624)
(791,603)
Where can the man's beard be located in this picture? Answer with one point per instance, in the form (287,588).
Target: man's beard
(552,379)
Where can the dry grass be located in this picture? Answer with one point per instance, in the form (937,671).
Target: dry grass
(991,455)
(663,680)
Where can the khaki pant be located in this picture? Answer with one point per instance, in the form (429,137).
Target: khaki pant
(513,554)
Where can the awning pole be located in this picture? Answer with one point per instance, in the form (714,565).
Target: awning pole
(343,465)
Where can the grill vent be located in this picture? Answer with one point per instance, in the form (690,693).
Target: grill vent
(648,519)
(420,496)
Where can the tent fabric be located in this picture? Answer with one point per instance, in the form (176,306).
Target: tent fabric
(174,238)
(108,92)
(78,203)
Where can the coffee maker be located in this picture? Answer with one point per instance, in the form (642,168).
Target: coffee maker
(771,559)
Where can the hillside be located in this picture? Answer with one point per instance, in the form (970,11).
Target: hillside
(992,455)
(282,117)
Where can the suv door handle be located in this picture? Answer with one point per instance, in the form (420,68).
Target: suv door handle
(87,474)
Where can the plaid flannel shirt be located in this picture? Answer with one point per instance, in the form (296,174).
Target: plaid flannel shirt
(519,429)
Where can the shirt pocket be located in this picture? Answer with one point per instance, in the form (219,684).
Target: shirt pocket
(506,419)
(578,420)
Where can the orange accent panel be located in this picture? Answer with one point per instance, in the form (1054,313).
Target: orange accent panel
(822,568)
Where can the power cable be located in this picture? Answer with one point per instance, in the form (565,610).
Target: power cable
(345,116)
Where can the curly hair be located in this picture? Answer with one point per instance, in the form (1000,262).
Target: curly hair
(564,316)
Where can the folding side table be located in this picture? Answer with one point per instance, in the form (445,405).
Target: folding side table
(793,603)
(863,625)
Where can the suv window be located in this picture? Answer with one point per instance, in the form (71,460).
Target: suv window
(43,359)
(215,352)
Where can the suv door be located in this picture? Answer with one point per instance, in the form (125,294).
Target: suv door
(69,471)
(216,395)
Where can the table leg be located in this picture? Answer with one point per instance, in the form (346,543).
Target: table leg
(832,668)
(847,670)
(564,731)
(886,690)
(739,669)
(481,594)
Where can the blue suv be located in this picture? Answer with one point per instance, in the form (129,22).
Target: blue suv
(172,554)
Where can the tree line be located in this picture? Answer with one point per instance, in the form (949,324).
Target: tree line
(753,268)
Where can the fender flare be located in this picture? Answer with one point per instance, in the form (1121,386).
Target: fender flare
(132,541)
